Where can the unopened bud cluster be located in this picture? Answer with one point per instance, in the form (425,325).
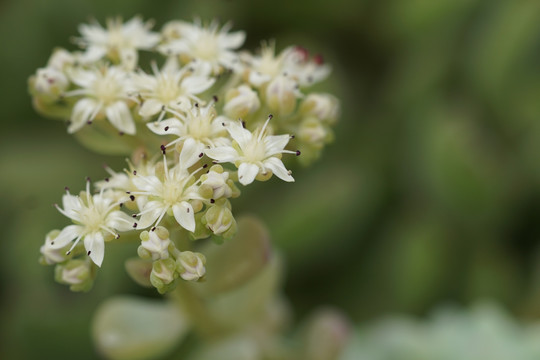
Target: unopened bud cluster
(196,122)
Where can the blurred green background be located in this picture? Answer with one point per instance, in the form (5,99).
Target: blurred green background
(430,193)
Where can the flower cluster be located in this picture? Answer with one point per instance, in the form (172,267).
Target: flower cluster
(195,120)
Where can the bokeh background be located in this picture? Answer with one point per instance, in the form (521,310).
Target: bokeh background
(430,193)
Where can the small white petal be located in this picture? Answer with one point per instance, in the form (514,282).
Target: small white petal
(82,111)
(239,134)
(222,153)
(120,117)
(173,126)
(247,173)
(148,183)
(95,245)
(150,107)
(183,213)
(277,167)
(275,144)
(120,221)
(67,234)
(233,40)
(190,153)
(197,84)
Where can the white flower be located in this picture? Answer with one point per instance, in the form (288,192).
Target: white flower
(267,65)
(171,192)
(119,42)
(105,94)
(292,61)
(172,88)
(198,123)
(255,153)
(207,44)
(305,70)
(95,217)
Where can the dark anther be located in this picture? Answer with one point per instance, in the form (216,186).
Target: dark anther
(212,201)
(88,178)
(201,155)
(196,105)
(134,216)
(107,179)
(298,152)
(88,253)
(205,166)
(215,98)
(134,225)
(166,128)
(66,188)
(243,124)
(270,116)
(134,172)
(292,136)
(132,197)
(187,210)
(153,229)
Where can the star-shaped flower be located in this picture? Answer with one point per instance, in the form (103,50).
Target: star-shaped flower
(172,88)
(118,41)
(198,123)
(254,153)
(96,217)
(105,93)
(172,192)
(208,44)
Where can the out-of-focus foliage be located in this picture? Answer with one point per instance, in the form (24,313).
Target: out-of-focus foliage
(484,332)
(430,191)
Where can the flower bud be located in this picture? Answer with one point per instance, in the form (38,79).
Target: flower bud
(50,82)
(312,132)
(60,58)
(163,274)
(77,273)
(281,95)
(219,218)
(214,184)
(154,244)
(323,106)
(51,255)
(190,265)
(241,102)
